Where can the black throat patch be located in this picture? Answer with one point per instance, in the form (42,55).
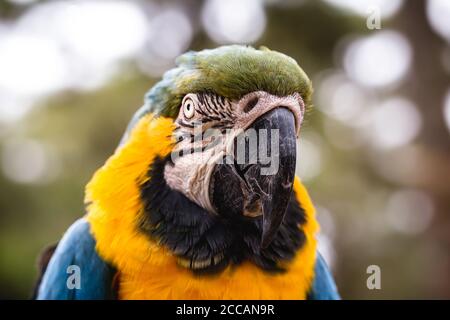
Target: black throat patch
(207,243)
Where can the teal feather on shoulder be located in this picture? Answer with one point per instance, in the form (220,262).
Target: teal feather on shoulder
(324,287)
(77,248)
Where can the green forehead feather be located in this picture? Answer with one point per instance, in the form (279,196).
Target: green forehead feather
(230,71)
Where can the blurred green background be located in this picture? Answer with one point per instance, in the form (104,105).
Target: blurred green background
(374,150)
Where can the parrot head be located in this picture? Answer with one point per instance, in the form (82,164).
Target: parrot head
(222,193)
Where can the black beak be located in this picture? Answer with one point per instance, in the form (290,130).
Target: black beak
(260,182)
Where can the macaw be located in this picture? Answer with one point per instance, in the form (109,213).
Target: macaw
(176,213)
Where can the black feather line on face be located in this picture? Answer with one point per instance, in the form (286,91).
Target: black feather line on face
(208,243)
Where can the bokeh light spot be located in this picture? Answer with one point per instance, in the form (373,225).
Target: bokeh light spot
(28,162)
(234,21)
(447,109)
(438,14)
(361,7)
(378,60)
(30,65)
(409,211)
(309,157)
(395,122)
(170,35)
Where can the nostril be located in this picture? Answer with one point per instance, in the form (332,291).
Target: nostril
(251,104)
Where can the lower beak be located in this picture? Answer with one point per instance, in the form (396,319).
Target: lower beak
(265,183)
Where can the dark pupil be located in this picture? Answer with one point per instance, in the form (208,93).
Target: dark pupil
(188,106)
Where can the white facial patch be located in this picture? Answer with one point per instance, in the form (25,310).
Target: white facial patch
(207,126)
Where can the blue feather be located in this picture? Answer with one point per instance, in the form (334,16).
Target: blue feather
(77,247)
(323,287)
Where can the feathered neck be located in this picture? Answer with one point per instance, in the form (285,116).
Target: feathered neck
(207,243)
(151,269)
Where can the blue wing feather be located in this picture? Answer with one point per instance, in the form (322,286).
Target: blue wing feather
(323,287)
(77,247)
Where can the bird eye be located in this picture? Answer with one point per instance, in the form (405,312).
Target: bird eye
(188,108)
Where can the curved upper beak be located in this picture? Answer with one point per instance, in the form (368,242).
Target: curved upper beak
(260,180)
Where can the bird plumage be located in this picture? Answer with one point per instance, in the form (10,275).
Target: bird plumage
(143,239)
(77,248)
(229,71)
